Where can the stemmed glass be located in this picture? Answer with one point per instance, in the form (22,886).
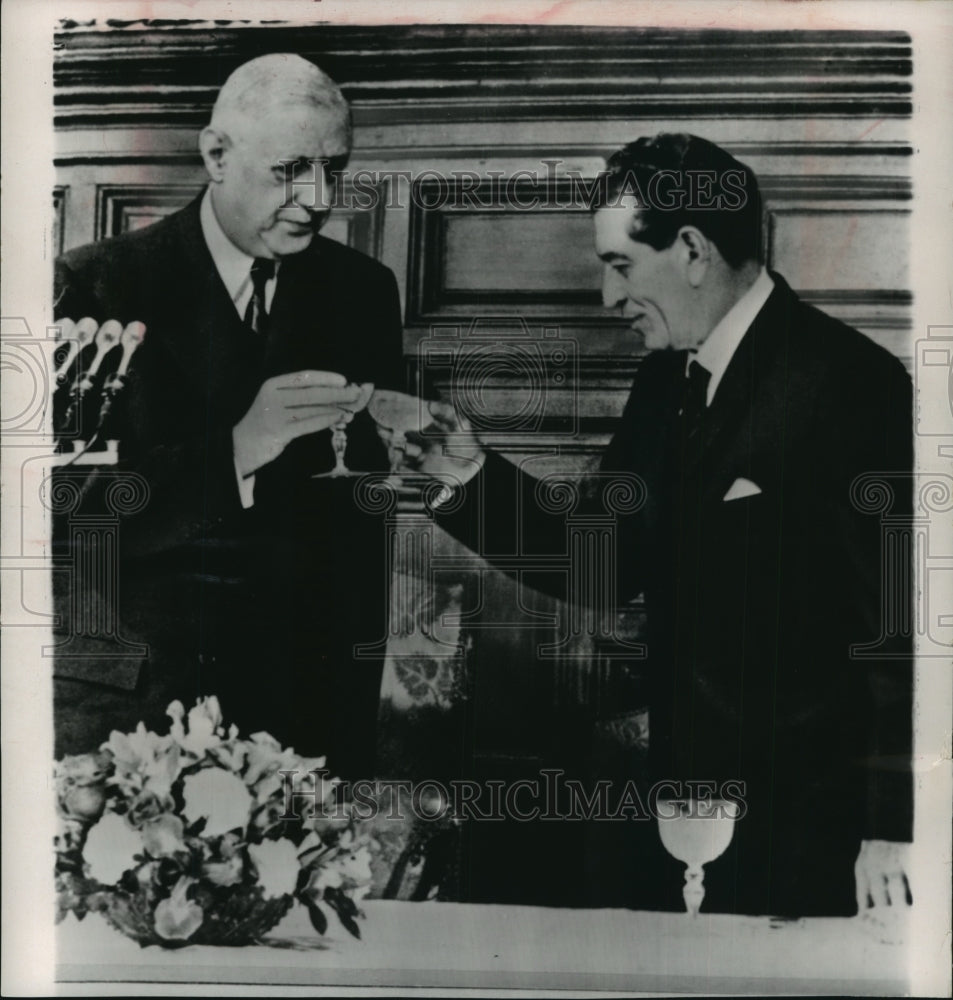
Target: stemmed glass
(396,414)
(339,435)
(695,832)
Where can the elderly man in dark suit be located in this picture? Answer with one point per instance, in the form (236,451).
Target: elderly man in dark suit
(242,571)
(749,422)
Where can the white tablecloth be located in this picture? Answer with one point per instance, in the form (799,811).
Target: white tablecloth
(456,945)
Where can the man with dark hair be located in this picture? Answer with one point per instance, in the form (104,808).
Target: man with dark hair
(682,180)
(240,571)
(750,422)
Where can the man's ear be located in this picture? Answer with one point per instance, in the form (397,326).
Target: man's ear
(695,252)
(214,145)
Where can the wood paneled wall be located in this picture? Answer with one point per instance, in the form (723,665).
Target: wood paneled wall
(822,118)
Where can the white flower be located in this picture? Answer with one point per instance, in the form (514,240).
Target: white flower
(226,872)
(277,864)
(143,761)
(145,874)
(321,879)
(109,849)
(355,867)
(231,753)
(176,712)
(346,840)
(81,785)
(265,759)
(218,795)
(313,786)
(267,816)
(333,824)
(205,725)
(163,835)
(69,834)
(82,769)
(83,802)
(304,787)
(263,750)
(146,805)
(178,918)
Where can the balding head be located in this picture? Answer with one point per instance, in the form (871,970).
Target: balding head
(273,83)
(277,118)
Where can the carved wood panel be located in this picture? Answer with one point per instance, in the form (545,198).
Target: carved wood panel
(60,194)
(480,272)
(470,256)
(124,207)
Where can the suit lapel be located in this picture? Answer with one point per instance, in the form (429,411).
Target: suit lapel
(294,319)
(212,344)
(219,355)
(308,328)
(742,419)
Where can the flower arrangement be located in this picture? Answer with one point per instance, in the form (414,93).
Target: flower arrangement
(183,839)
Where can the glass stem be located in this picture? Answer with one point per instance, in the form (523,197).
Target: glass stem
(339,444)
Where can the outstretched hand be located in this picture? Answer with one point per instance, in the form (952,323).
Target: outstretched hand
(289,406)
(447,449)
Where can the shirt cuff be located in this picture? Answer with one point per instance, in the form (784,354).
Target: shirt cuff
(448,491)
(246,488)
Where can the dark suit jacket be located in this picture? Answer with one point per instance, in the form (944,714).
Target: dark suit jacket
(261,606)
(753,604)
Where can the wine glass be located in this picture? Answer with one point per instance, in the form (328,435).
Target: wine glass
(397,414)
(696,831)
(339,434)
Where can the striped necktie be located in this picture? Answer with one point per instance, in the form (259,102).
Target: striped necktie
(694,398)
(256,312)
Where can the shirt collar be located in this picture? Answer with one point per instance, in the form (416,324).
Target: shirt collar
(232,264)
(720,345)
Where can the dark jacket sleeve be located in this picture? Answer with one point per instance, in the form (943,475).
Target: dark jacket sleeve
(870,453)
(558,531)
(386,326)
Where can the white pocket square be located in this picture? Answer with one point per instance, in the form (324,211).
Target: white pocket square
(741,488)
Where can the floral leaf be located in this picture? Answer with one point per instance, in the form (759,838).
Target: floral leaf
(319,920)
(350,926)
(345,908)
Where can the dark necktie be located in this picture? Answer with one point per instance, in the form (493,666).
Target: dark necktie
(256,312)
(694,398)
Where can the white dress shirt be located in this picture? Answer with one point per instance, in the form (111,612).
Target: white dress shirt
(233,265)
(714,353)
(234,268)
(719,347)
